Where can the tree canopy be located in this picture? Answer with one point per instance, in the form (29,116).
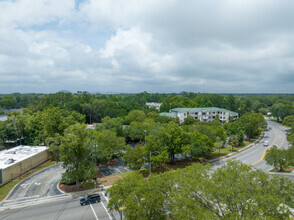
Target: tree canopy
(234,191)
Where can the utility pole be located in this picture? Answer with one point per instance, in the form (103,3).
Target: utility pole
(97,169)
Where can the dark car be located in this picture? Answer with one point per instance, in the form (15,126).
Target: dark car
(90,199)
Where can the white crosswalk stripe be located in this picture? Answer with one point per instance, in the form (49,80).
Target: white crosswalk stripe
(12,204)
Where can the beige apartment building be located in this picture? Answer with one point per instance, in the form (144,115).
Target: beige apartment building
(203,114)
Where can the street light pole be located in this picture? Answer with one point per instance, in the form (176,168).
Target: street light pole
(150,163)
(96,170)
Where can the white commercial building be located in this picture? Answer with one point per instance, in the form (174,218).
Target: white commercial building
(154,104)
(18,160)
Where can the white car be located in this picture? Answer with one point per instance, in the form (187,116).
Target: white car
(265,143)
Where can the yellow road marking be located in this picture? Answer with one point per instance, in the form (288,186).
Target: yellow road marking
(43,185)
(282,141)
(263,155)
(276,136)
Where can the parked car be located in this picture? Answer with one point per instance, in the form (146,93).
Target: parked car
(93,198)
(265,143)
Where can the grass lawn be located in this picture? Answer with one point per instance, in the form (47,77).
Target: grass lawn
(227,150)
(5,189)
(275,120)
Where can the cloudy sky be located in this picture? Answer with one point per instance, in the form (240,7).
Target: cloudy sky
(216,46)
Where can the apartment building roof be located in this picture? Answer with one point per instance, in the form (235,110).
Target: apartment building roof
(181,110)
(169,114)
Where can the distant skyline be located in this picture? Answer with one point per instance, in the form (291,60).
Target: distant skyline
(116,46)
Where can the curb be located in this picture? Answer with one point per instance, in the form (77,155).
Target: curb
(57,186)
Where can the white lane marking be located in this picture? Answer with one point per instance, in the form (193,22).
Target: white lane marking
(103,194)
(94,212)
(106,210)
(24,185)
(33,201)
(118,170)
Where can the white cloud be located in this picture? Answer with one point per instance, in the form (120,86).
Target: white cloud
(158,46)
(22,13)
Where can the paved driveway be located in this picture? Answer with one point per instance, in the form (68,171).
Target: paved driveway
(40,185)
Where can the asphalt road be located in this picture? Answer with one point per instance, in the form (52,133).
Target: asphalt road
(254,156)
(41,184)
(64,209)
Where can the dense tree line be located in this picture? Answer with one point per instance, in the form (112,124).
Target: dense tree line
(157,139)
(98,106)
(17,101)
(234,191)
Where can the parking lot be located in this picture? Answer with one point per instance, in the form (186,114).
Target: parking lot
(114,168)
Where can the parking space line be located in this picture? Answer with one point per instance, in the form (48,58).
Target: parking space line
(94,212)
(118,170)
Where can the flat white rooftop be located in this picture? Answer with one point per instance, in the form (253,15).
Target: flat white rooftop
(17,154)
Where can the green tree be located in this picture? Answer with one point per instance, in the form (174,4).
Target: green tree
(134,157)
(114,124)
(172,138)
(280,110)
(234,191)
(156,150)
(109,145)
(189,120)
(252,123)
(76,153)
(233,141)
(135,116)
(144,198)
(289,121)
(235,129)
(277,158)
(200,145)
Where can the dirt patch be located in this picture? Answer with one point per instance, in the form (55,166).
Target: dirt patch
(112,161)
(104,180)
(73,188)
(109,180)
